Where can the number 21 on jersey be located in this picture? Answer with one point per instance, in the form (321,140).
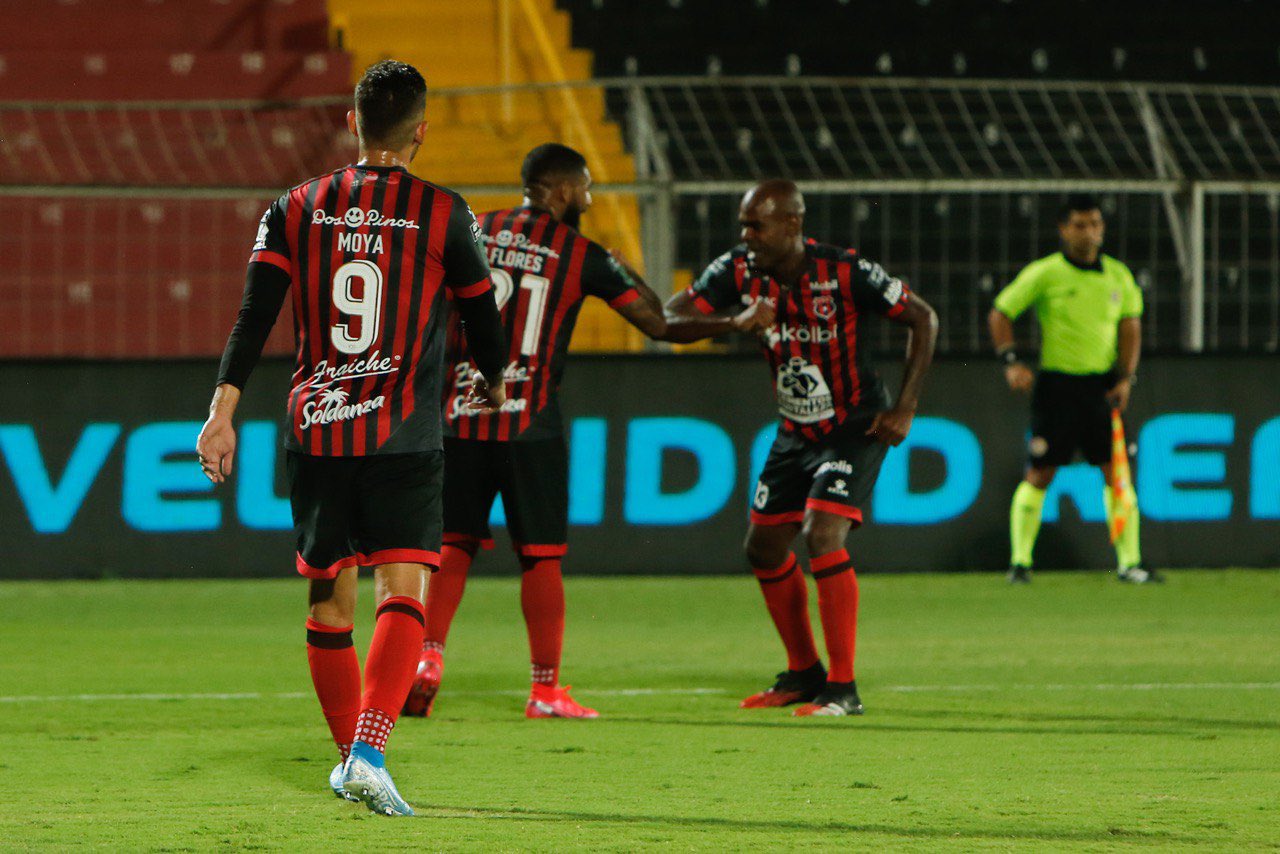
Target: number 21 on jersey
(538,287)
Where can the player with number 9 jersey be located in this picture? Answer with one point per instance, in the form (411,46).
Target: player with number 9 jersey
(369,253)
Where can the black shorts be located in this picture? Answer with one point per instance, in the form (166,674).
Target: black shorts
(533,479)
(1070,413)
(365,511)
(835,475)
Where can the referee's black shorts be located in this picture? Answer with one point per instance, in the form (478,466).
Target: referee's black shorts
(1070,412)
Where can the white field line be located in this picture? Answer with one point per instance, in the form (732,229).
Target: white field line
(646,692)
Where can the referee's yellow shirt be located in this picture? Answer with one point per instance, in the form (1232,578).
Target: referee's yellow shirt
(1079,310)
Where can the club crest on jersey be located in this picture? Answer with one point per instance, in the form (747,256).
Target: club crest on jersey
(803,393)
(824,306)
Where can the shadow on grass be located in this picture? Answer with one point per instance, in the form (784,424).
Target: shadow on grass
(669,822)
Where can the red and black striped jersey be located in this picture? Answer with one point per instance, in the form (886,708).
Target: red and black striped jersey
(822,372)
(370,252)
(542,272)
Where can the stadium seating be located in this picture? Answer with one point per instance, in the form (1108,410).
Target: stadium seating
(456,43)
(942,38)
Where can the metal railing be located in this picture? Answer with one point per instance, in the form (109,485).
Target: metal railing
(949,182)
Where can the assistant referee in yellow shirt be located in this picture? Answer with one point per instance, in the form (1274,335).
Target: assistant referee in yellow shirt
(1089,307)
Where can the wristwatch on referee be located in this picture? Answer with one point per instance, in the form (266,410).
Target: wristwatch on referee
(1008,355)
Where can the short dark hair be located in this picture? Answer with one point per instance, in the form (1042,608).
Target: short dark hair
(388,97)
(549,161)
(1077,203)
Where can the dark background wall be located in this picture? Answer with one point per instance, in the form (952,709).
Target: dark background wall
(99,478)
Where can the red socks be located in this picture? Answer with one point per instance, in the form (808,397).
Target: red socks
(787,597)
(542,601)
(838,606)
(389,670)
(444,593)
(335,672)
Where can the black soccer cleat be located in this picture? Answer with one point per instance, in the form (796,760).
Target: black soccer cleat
(1019,574)
(837,700)
(792,686)
(1140,574)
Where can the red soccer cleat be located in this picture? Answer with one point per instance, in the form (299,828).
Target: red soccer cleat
(793,686)
(553,701)
(426,682)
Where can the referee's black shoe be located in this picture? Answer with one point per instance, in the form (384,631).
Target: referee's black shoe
(1140,574)
(1019,574)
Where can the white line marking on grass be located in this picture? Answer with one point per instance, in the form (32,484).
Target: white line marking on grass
(296,695)
(658,692)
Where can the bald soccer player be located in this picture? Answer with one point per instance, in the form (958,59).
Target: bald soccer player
(836,423)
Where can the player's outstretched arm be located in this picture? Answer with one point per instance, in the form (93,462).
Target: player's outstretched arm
(893,425)
(1016,372)
(686,323)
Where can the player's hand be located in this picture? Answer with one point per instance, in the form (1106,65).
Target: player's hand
(216,448)
(1019,377)
(483,396)
(757,317)
(891,426)
(1119,395)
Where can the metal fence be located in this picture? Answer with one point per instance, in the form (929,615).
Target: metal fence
(951,183)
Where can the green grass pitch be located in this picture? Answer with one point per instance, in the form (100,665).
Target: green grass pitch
(1076,713)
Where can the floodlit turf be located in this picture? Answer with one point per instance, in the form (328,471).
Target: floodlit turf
(1075,713)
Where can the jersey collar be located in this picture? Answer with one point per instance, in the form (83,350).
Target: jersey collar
(1095,267)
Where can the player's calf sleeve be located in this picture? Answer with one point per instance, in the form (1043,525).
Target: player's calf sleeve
(786,595)
(838,607)
(389,669)
(1128,544)
(444,592)
(1024,522)
(335,673)
(542,601)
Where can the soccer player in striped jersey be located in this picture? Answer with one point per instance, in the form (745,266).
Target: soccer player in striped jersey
(836,424)
(543,269)
(371,255)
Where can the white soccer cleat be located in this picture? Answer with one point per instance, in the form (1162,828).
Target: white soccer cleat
(366,778)
(335,783)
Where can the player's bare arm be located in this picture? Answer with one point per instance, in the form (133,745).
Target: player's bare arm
(216,446)
(644,313)
(1129,348)
(892,425)
(1016,372)
(686,324)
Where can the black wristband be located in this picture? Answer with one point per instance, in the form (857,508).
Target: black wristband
(1008,356)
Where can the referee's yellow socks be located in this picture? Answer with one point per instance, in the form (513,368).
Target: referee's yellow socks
(1128,551)
(1024,522)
